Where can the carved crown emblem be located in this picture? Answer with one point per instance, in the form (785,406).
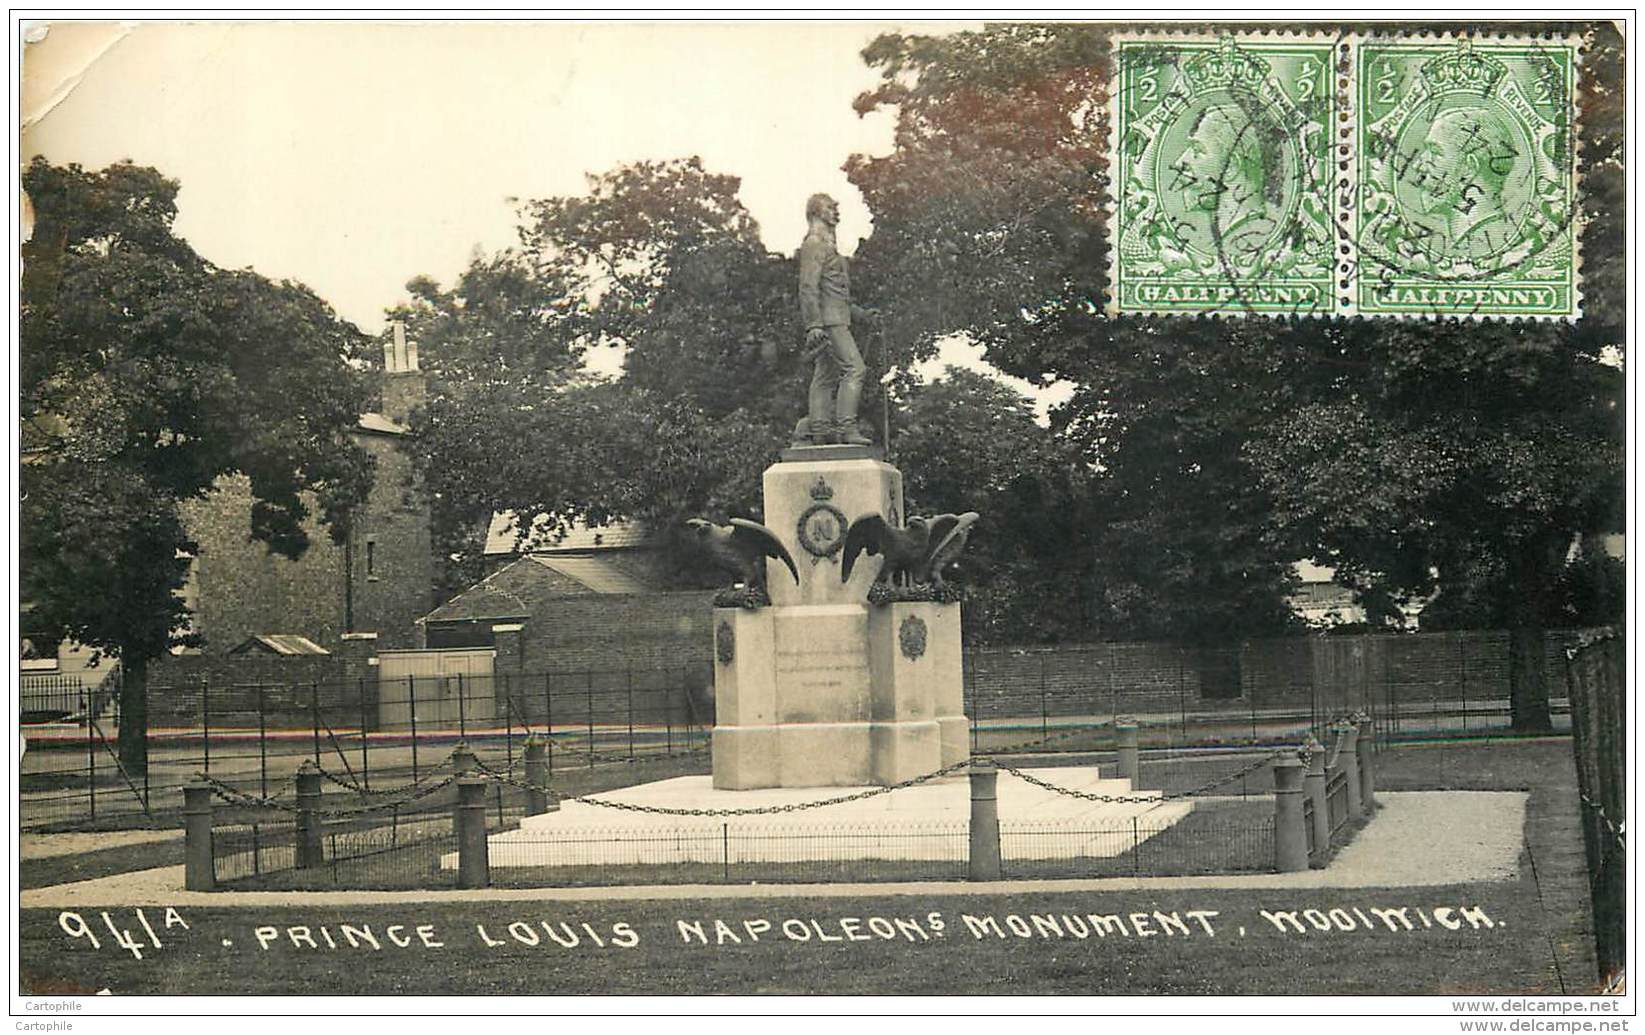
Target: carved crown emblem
(821,490)
(1462,69)
(1226,67)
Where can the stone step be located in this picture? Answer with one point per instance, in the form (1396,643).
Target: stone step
(926,821)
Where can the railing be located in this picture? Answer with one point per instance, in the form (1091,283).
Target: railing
(1308,827)
(1596,675)
(1336,800)
(417,835)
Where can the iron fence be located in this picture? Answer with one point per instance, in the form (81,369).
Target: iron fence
(375,734)
(731,853)
(1336,801)
(372,736)
(403,843)
(1207,840)
(1596,675)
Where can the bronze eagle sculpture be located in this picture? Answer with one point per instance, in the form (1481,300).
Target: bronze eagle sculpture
(918,552)
(741,548)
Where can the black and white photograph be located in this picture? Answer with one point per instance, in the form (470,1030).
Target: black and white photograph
(924,514)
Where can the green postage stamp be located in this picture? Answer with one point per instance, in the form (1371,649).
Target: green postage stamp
(1275,174)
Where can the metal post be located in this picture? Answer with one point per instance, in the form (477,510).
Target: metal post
(1125,740)
(473,863)
(365,735)
(628,685)
(91,767)
(1290,839)
(262,741)
(536,777)
(314,708)
(309,850)
(1045,725)
(725,852)
(668,711)
(199,873)
(411,690)
(589,679)
(508,719)
(1462,666)
(1313,786)
(205,721)
(985,822)
(1136,847)
(548,716)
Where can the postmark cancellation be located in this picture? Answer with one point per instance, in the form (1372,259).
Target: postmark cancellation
(1277,174)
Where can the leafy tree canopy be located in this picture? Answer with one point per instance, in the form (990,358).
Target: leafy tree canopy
(146,375)
(1233,446)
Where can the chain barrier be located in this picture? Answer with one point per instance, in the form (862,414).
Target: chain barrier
(767,810)
(355,788)
(235,796)
(1051,738)
(1135,799)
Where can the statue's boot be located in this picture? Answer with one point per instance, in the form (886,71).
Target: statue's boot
(846,431)
(852,436)
(822,432)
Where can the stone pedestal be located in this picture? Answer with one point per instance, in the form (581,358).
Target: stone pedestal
(823,690)
(820,689)
(809,504)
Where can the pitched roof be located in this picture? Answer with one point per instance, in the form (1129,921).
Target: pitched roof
(279,643)
(516,590)
(596,573)
(578,537)
(381,424)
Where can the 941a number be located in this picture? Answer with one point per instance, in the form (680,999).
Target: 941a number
(75,926)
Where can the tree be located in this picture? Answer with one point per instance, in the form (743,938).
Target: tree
(969,442)
(662,260)
(1232,447)
(991,203)
(147,374)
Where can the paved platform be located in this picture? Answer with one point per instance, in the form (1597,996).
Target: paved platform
(927,821)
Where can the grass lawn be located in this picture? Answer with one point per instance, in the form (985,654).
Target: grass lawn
(106,862)
(934,951)
(1538,940)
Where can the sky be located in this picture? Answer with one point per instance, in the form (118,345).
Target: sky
(354,156)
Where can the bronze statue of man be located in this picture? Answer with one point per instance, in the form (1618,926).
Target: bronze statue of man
(825,309)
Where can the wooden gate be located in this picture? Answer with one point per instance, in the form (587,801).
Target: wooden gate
(449,689)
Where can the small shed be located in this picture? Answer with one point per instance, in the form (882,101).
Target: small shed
(279,644)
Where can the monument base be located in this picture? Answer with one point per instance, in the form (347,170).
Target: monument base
(926,821)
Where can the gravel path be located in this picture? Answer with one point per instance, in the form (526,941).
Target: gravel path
(1417,839)
(47,846)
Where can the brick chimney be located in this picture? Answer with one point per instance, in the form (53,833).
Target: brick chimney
(404,388)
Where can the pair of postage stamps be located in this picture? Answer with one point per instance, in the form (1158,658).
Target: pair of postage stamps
(1280,175)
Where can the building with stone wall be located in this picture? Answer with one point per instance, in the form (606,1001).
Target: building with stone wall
(379,581)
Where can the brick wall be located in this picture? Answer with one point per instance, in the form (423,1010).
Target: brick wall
(391,535)
(239,589)
(233,688)
(613,632)
(1336,674)
(597,652)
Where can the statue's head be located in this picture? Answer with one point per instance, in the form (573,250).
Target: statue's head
(823,207)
